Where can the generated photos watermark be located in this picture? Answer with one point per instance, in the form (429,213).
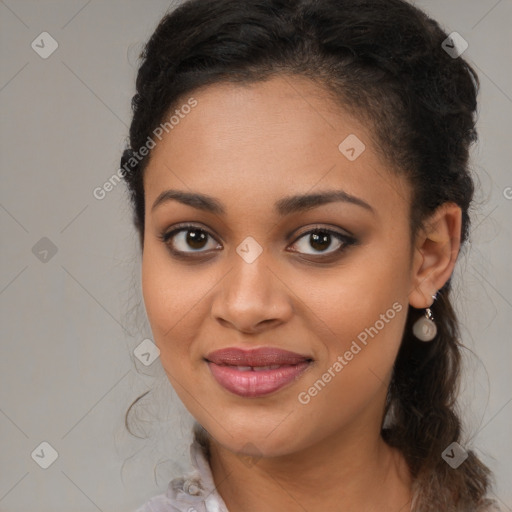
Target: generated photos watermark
(304,397)
(179,114)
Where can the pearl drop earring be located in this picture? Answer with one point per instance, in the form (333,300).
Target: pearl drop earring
(424,328)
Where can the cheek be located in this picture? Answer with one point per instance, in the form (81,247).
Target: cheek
(168,299)
(157,291)
(360,312)
(354,296)
(166,307)
(352,376)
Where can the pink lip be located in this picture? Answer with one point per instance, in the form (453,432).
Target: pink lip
(253,383)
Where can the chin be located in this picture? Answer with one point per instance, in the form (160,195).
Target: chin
(249,440)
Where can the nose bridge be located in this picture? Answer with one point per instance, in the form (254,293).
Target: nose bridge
(251,293)
(251,277)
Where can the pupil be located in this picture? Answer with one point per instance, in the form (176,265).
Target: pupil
(193,238)
(318,240)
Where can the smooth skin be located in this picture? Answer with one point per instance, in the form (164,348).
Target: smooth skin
(248,147)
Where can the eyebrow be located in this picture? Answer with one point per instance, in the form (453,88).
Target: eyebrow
(285,206)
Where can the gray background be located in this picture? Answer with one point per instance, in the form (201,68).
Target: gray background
(72,319)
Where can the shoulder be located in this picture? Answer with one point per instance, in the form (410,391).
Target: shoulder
(159,503)
(185,494)
(193,492)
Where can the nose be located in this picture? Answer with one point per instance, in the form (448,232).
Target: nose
(252,297)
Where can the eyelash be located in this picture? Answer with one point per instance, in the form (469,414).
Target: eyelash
(346,241)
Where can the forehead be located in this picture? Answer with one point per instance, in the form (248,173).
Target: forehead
(266,140)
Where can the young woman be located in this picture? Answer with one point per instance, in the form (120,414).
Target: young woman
(299,177)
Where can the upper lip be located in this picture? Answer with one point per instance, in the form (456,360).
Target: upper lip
(264,356)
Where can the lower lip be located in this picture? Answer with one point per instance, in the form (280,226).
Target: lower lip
(253,383)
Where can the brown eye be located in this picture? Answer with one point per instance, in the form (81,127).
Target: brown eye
(188,239)
(321,239)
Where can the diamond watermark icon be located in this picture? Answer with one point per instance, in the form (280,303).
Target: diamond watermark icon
(44,45)
(454,455)
(351,147)
(454,45)
(44,250)
(45,455)
(249,249)
(250,460)
(146,352)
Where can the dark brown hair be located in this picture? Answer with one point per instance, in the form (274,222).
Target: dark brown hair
(383,61)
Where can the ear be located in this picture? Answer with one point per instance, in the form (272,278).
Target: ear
(434,254)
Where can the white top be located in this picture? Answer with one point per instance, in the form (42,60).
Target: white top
(195,492)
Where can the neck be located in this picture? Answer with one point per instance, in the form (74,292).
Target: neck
(334,474)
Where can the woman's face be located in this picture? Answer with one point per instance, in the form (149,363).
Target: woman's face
(254,277)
